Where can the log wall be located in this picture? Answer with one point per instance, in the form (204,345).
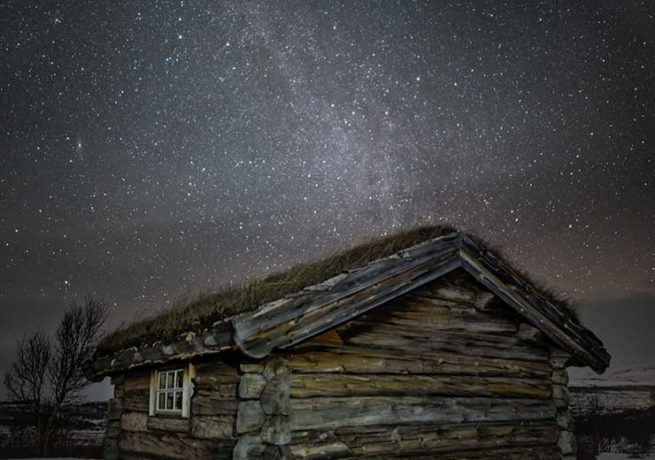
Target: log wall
(207,433)
(445,371)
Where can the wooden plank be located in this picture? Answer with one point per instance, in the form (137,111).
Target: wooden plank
(137,400)
(168,424)
(343,285)
(411,311)
(137,380)
(216,371)
(365,360)
(556,322)
(355,385)
(420,439)
(251,386)
(285,323)
(208,403)
(250,417)
(213,427)
(332,413)
(464,343)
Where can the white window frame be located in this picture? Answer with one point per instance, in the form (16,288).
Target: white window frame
(188,372)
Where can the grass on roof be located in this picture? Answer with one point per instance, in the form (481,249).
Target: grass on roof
(210,307)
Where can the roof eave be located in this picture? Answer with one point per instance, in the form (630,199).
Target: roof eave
(215,340)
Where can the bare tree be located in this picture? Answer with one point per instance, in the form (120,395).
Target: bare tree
(26,380)
(47,377)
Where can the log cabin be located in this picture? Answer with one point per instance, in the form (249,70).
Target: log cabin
(425,344)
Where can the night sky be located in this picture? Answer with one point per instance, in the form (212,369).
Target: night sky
(153,150)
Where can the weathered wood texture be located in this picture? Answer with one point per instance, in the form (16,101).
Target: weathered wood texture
(558,323)
(416,439)
(288,321)
(207,433)
(566,439)
(444,371)
(115,412)
(193,345)
(263,417)
(433,373)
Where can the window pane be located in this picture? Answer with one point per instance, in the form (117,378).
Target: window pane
(169,380)
(178,400)
(169,401)
(162,380)
(161,401)
(179,376)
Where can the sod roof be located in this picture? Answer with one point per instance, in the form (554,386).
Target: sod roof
(209,308)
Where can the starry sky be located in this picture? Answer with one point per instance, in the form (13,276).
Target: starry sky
(153,150)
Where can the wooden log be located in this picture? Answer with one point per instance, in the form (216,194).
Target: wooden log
(318,445)
(440,290)
(213,427)
(417,439)
(367,360)
(137,380)
(530,333)
(172,446)
(168,424)
(559,358)
(561,396)
(228,390)
(275,396)
(252,367)
(567,443)
(137,400)
(250,417)
(208,403)
(216,372)
(332,413)
(466,343)
(134,421)
(248,447)
(560,376)
(251,386)
(484,300)
(276,430)
(420,315)
(435,324)
(354,385)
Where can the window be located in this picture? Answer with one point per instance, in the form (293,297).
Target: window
(170,387)
(170,391)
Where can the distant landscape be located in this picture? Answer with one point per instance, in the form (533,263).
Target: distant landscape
(84,431)
(614,419)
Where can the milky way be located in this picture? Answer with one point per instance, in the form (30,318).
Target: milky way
(153,150)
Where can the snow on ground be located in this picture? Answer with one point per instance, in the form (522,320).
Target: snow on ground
(611,456)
